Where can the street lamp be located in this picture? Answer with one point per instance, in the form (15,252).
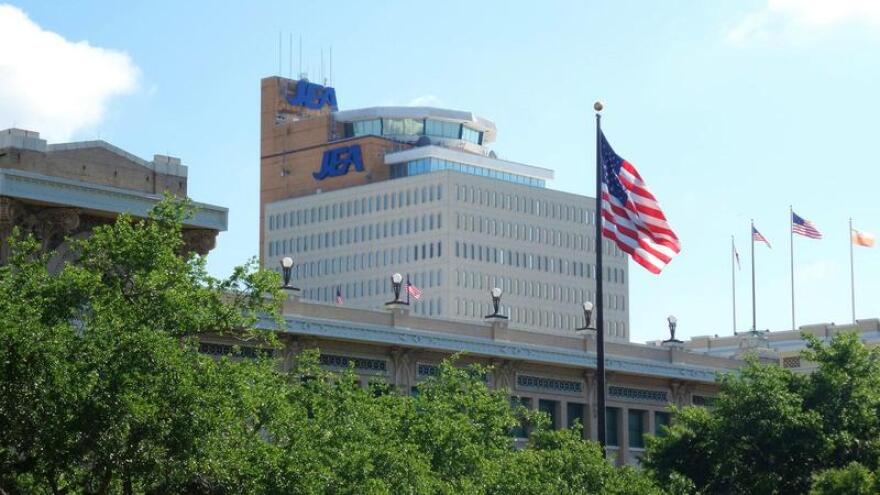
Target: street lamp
(286,272)
(396,281)
(496,303)
(673,322)
(588,316)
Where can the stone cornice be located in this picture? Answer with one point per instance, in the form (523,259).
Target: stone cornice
(407,337)
(37,187)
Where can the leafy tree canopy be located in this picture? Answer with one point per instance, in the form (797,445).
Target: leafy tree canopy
(103,390)
(770,430)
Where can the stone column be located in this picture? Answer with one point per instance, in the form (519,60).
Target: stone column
(9,212)
(505,375)
(200,241)
(590,408)
(403,363)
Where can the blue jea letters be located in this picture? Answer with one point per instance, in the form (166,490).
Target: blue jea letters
(312,96)
(337,161)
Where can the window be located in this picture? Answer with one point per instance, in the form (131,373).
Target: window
(520,431)
(551,407)
(611,421)
(471,135)
(661,419)
(636,427)
(575,412)
(439,128)
(367,127)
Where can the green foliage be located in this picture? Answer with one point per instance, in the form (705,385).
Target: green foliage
(854,479)
(770,430)
(103,390)
(559,462)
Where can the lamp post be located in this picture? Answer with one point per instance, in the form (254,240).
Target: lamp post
(396,281)
(673,323)
(286,272)
(588,316)
(496,304)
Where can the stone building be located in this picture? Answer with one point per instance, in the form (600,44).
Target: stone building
(552,373)
(782,347)
(356,195)
(56,191)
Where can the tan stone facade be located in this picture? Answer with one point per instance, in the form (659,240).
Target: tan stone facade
(59,191)
(550,372)
(293,142)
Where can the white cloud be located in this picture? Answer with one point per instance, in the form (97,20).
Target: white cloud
(425,101)
(53,85)
(797,17)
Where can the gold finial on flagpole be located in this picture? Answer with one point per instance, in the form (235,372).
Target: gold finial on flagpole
(598,106)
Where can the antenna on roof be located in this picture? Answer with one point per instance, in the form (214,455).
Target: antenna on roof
(290,57)
(301,57)
(323,79)
(330,55)
(279,52)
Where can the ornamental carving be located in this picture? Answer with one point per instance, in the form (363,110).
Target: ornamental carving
(199,241)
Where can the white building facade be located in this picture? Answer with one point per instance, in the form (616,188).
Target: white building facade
(457,221)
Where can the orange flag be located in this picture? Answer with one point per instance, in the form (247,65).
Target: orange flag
(862,238)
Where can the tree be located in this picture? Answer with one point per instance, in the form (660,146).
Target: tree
(854,479)
(770,430)
(102,386)
(103,390)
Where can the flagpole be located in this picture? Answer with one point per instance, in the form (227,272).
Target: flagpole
(791,244)
(600,313)
(733,279)
(407,289)
(852,273)
(754,324)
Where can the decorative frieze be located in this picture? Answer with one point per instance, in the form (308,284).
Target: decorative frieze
(551,385)
(638,394)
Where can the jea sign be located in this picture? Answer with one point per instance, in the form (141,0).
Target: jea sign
(338,161)
(312,96)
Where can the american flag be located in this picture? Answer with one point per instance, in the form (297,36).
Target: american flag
(339,299)
(804,227)
(414,291)
(756,236)
(736,255)
(633,218)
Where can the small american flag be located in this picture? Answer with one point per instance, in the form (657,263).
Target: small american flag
(633,218)
(339,299)
(414,291)
(736,256)
(756,236)
(804,227)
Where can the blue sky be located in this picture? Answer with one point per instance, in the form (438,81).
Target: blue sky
(730,110)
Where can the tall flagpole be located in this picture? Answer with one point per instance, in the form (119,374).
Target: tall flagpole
(791,244)
(852,273)
(733,279)
(600,316)
(752,235)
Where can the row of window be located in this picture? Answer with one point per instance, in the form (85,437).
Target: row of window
(523,204)
(537,262)
(356,207)
(366,260)
(636,420)
(524,232)
(428,165)
(424,306)
(531,288)
(413,127)
(354,235)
